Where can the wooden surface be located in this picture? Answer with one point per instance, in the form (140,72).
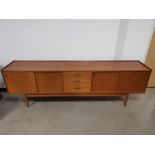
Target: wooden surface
(72,86)
(133,82)
(105,82)
(76,66)
(77,82)
(20,82)
(49,82)
(77,75)
(150,61)
(79,78)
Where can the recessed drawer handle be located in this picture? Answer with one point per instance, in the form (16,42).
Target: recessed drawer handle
(76,74)
(77,88)
(77,81)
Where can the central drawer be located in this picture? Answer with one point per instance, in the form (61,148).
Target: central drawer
(86,75)
(77,82)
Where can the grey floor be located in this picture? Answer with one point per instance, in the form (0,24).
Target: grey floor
(78,115)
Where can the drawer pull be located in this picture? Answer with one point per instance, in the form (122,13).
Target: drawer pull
(77,88)
(77,81)
(76,74)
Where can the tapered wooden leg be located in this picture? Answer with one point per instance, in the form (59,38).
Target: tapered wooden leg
(26,101)
(125,99)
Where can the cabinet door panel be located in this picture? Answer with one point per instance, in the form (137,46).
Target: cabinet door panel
(105,82)
(49,82)
(20,82)
(133,82)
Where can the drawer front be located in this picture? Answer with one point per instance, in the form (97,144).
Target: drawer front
(77,82)
(77,74)
(77,85)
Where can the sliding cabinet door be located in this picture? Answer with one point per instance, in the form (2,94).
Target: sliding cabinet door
(49,82)
(20,82)
(133,82)
(105,82)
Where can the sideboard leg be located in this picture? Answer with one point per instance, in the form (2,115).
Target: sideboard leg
(26,101)
(125,99)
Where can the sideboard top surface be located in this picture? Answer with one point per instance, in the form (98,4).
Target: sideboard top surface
(76,66)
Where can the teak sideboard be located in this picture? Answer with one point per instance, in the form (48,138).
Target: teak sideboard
(76,78)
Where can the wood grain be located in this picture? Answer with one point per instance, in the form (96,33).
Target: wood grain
(76,78)
(20,82)
(76,66)
(133,82)
(77,75)
(77,85)
(49,82)
(77,82)
(105,82)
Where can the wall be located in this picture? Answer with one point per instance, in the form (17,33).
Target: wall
(73,40)
(137,39)
(57,39)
